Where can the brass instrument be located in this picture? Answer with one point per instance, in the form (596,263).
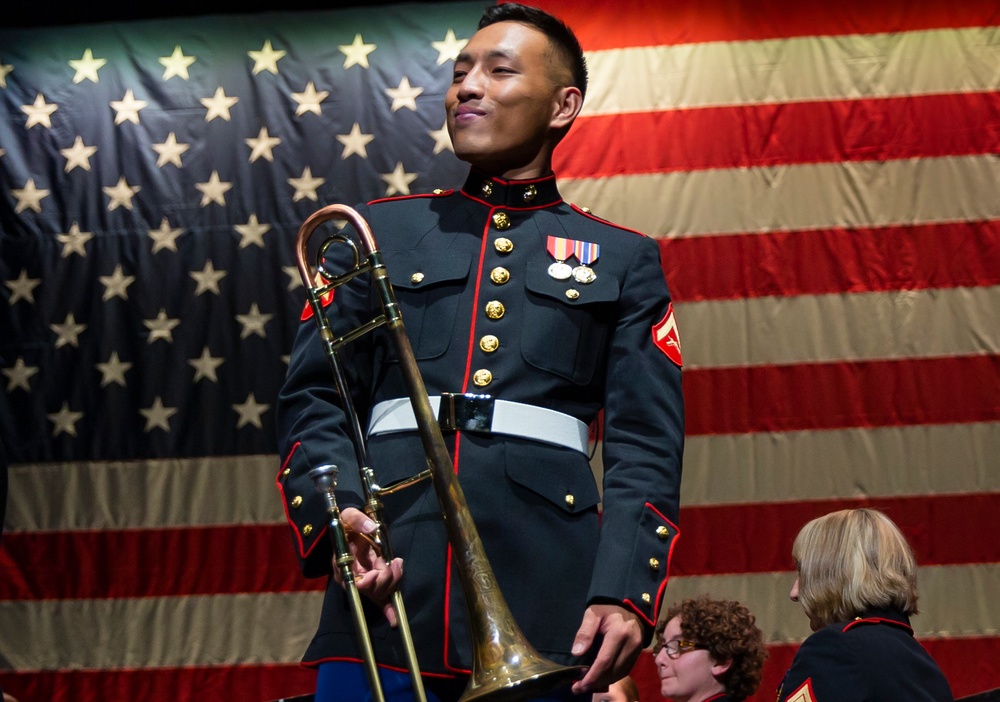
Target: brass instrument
(505,665)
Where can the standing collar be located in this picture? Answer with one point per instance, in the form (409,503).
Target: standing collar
(515,194)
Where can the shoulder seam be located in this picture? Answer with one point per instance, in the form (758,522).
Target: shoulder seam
(588,215)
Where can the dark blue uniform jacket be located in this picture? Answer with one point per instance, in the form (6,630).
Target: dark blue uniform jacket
(573,347)
(873,658)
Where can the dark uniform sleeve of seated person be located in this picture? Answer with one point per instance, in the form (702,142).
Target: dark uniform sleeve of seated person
(873,658)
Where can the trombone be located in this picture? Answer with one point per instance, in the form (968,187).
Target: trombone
(505,666)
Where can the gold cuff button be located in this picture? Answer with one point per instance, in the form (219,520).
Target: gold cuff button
(501,220)
(438,191)
(530,193)
(646,598)
(482,377)
(503,245)
(489,343)
(572,294)
(297,501)
(663,533)
(307,529)
(494,309)
(499,275)
(487,188)
(654,563)
(570,500)
(286,472)
(417,278)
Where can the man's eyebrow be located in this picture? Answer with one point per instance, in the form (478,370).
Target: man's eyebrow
(466,57)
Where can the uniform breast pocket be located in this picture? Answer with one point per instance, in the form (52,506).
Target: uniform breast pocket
(567,334)
(428,287)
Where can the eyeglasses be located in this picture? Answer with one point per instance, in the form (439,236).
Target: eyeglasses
(676,648)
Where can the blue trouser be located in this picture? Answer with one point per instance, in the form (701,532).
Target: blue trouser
(340,681)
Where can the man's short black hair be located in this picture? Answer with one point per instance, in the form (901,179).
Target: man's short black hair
(555,29)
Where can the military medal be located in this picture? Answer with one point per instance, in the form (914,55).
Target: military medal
(560,248)
(585,252)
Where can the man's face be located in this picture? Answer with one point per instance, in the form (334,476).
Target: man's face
(503,100)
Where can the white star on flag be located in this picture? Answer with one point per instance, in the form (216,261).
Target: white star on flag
(158,416)
(113,370)
(29,197)
(253,322)
(164,237)
(213,190)
(116,284)
(250,412)
(355,142)
(68,332)
(65,420)
(448,49)
(170,151)
(19,374)
(252,232)
(205,366)
(262,145)
(305,186)
(176,64)
(86,68)
(442,139)
(39,112)
(208,279)
(404,95)
(22,287)
(356,52)
(127,109)
(74,240)
(161,328)
(295,278)
(266,59)
(218,105)
(309,100)
(398,181)
(121,194)
(78,155)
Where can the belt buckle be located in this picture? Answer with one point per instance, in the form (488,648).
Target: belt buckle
(466,412)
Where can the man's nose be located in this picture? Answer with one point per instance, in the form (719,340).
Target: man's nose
(472,85)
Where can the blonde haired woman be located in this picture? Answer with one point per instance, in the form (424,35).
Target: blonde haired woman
(857,582)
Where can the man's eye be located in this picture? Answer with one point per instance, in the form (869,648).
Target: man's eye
(457,76)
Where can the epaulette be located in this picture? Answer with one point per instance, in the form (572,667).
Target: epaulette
(436,193)
(862,621)
(585,211)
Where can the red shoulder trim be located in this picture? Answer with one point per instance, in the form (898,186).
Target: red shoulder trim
(410,197)
(591,215)
(878,620)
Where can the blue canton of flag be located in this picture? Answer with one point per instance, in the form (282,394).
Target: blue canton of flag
(153,176)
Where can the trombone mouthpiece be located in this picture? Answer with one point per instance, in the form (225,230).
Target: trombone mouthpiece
(325,478)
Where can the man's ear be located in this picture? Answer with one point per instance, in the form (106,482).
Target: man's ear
(568,106)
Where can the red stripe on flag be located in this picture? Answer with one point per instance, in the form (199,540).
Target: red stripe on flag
(759,536)
(651,22)
(257,683)
(844,394)
(744,136)
(150,563)
(950,255)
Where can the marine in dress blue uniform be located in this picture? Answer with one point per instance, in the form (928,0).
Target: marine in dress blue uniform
(486,315)
(872,658)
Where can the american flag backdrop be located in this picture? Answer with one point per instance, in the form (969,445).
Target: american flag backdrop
(823,178)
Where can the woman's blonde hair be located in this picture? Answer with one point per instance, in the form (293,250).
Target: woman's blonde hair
(851,561)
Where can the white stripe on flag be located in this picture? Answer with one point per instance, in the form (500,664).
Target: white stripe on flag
(848,326)
(648,79)
(790,198)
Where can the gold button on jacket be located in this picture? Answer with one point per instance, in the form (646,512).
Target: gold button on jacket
(503,245)
(482,377)
(501,220)
(499,275)
(494,309)
(489,343)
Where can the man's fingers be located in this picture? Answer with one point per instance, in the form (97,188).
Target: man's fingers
(585,634)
